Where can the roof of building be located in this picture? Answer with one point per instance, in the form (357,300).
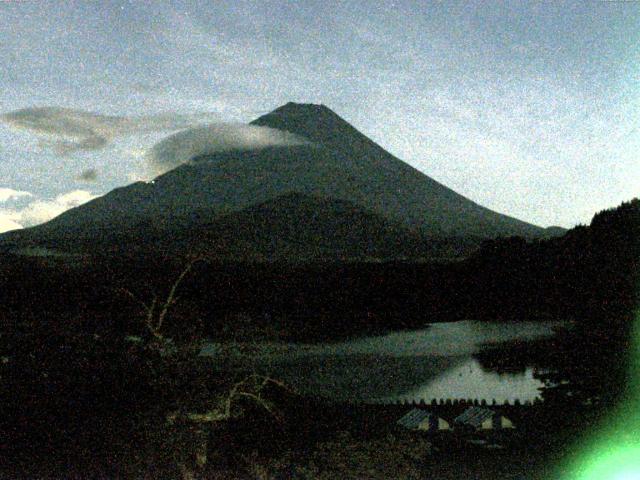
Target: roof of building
(414,418)
(474,416)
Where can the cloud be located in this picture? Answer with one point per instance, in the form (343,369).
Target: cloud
(7,223)
(88,175)
(68,130)
(43,210)
(74,198)
(183,146)
(7,194)
(39,211)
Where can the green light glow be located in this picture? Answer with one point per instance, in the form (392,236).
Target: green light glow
(628,475)
(619,463)
(615,452)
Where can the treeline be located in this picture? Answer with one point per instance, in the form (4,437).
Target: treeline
(586,275)
(67,370)
(319,300)
(589,273)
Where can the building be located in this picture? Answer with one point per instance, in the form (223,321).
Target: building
(423,420)
(479,418)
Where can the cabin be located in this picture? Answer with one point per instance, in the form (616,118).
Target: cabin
(423,420)
(478,418)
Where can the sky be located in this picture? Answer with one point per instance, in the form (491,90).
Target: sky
(528,108)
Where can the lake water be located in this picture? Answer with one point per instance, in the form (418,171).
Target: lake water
(435,362)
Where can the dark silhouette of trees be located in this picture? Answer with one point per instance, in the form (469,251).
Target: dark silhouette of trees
(600,268)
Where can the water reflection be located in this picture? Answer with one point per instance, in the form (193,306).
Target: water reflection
(435,362)
(471,380)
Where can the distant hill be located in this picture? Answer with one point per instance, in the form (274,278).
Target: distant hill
(340,195)
(302,226)
(293,226)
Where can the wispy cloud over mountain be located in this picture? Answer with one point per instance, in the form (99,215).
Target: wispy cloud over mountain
(68,130)
(183,146)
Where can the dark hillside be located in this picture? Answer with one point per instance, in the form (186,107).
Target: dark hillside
(340,165)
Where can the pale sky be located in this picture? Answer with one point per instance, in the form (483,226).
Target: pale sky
(528,108)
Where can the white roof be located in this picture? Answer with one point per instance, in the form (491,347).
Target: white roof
(414,418)
(475,416)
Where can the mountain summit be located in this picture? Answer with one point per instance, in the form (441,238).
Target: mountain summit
(394,186)
(315,122)
(339,166)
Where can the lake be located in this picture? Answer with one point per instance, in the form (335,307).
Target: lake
(438,361)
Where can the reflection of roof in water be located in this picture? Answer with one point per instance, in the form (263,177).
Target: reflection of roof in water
(474,416)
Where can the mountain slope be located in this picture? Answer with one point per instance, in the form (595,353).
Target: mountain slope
(304,227)
(339,164)
(399,189)
(289,227)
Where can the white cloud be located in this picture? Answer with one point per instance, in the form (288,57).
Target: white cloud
(183,146)
(7,223)
(40,211)
(74,198)
(7,194)
(68,130)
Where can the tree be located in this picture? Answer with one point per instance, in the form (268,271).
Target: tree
(168,361)
(588,369)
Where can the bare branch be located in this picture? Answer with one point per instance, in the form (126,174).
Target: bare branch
(232,394)
(136,299)
(270,380)
(150,322)
(262,402)
(171,299)
(209,417)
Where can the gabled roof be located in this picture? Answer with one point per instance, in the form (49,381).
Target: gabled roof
(474,416)
(414,418)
